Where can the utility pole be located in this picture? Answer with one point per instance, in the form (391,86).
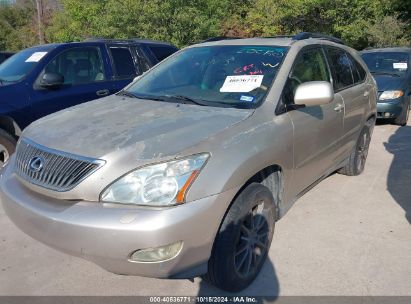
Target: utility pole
(39,5)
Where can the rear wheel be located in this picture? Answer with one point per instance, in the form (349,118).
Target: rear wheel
(358,157)
(7,146)
(241,246)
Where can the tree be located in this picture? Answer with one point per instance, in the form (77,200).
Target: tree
(15,27)
(178,21)
(387,32)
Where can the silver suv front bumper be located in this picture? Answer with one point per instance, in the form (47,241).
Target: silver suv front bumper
(107,234)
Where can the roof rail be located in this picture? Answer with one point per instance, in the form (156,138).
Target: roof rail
(306,35)
(219,38)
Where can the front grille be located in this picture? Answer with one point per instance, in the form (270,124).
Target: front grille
(52,169)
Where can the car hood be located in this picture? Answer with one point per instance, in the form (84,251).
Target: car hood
(386,82)
(151,129)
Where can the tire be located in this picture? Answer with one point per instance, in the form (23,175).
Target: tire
(358,157)
(403,118)
(240,250)
(7,146)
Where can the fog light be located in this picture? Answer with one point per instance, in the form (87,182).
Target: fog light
(157,254)
(387,114)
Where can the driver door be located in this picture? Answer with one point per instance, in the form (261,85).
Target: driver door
(317,129)
(85,79)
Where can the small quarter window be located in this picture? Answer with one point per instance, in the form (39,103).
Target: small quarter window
(162,51)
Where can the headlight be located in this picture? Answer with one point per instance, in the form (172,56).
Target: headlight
(391,95)
(162,184)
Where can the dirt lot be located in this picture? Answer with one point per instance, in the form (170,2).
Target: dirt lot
(348,236)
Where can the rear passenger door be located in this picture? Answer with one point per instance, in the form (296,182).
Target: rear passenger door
(317,129)
(349,82)
(124,65)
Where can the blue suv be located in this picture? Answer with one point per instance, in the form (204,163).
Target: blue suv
(47,78)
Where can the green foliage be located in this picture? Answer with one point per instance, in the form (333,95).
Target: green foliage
(15,27)
(388,31)
(360,23)
(178,21)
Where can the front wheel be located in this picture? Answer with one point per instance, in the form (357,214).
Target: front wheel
(403,118)
(241,246)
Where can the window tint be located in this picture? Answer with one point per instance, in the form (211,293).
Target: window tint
(143,63)
(162,52)
(361,72)
(341,66)
(310,65)
(123,62)
(79,65)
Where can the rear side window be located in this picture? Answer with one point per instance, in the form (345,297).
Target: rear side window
(123,62)
(310,65)
(361,72)
(341,66)
(162,51)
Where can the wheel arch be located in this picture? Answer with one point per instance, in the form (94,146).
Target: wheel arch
(9,125)
(271,177)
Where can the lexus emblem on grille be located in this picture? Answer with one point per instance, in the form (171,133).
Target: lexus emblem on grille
(36,164)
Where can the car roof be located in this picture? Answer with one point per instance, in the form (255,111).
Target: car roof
(269,41)
(50,46)
(391,49)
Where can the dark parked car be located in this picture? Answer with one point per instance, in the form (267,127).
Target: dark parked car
(47,78)
(5,55)
(390,68)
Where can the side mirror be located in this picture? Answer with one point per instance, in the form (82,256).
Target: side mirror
(52,80)
(314,93)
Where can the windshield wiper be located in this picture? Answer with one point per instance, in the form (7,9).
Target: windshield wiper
(132,95)
(127,94)
(386,73)
(186,99)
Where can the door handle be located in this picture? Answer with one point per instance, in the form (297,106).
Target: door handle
(104,92)
(339,107)
(366,93)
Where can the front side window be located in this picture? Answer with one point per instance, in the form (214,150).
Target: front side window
(123,62)
(310,65)
(395,63)
(78,65)
(19,65)
(341,66)
(232,76)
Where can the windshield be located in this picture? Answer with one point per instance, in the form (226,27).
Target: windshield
(19,65)
(233,76)
(387,62)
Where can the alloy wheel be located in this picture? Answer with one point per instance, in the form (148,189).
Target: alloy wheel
(253,242)
(362,151)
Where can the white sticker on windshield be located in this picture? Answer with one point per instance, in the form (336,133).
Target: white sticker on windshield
(36,57)
(400,65)
(241,83)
